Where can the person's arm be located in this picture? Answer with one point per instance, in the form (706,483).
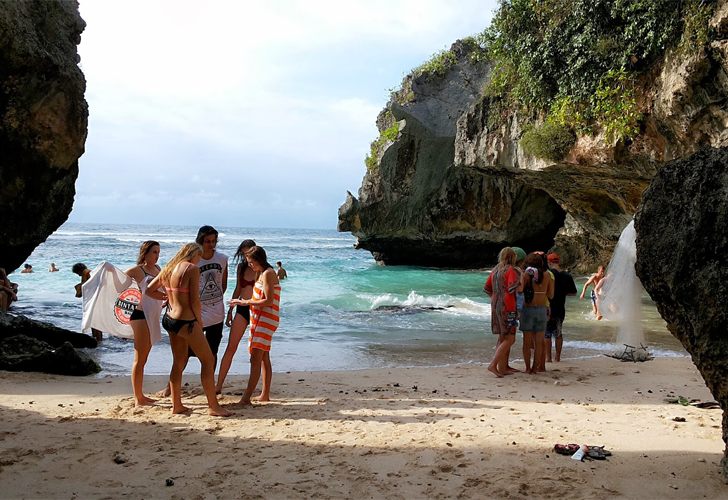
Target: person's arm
(586,285)
(269,279)
(134,273)
(224,277)
(550,289)
(572,287)
(194,284)
(488,288)
(153,289)
(236,294)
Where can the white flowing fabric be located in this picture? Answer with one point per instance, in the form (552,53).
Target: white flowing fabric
(109,298)
(620,298)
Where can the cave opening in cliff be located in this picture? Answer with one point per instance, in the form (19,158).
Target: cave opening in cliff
(536,218)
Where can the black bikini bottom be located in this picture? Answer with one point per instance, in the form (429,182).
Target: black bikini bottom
(244,311)
(137,314)
(175,325)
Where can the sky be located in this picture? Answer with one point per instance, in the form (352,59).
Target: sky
(244,114)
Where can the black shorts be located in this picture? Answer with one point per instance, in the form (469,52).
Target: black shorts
(213,334)
(245,311)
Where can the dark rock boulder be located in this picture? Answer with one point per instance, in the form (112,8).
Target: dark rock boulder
(21,353)
(682,242)
(43,121)
(56,337)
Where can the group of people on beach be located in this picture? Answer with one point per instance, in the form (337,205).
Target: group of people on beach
(527,291)
(192,286)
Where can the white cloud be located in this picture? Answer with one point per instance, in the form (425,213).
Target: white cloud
(231,95)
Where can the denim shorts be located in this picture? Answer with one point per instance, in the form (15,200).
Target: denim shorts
(534,318)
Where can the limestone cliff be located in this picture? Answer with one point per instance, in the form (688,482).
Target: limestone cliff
(43,121)
(448,191)
(681,248)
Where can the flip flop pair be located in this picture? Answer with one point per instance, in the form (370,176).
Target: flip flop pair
(566,449)
(597,452)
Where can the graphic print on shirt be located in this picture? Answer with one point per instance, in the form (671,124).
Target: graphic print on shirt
(210,292)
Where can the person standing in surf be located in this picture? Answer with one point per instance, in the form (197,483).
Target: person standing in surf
(594,280)
(145,270)
(504,282)
(181,278)
(246,279)
(264,319)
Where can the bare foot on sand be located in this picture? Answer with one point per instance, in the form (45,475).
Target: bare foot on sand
(165,393)
(510,369)
(145,402)
(240,405)
(494,371)
(219,412)
(261,398)
(181,409)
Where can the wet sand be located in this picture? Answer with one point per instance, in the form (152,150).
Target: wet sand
(455,432)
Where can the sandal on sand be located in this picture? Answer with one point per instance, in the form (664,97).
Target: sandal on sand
(707,405)
(598,452)
(566,449)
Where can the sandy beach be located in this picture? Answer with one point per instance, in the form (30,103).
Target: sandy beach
(453,432)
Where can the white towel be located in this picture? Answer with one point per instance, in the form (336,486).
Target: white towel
(109,298)
(152,311)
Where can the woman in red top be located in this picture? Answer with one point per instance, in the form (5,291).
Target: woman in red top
(502,285)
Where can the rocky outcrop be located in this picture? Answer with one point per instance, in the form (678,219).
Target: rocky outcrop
(11,326)
(43,121)
(452,189)
(681,248)
(21,353)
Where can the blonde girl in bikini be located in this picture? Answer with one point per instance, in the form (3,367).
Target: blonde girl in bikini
(264,318)
(182,320)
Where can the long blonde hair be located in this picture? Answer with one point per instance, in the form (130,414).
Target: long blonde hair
(506,257)
(185,254)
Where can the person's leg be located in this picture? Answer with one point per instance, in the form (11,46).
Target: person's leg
(502,365)
(179,361)
(527,343)
(213,334)
(97,334)
(236,334)
(256,358)
(267,378)
(539,359)
(198,344)
(4,301)
(547,348)
(142,346)
(559,340)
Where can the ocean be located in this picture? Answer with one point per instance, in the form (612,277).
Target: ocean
(339,309)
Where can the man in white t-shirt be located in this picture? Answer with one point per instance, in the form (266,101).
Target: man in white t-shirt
(213,283)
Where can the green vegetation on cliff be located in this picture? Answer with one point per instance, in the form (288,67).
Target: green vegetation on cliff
(578,63)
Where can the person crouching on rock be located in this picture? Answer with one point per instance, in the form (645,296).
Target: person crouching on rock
(182,320)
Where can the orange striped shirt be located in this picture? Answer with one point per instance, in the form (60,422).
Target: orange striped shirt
(264,320)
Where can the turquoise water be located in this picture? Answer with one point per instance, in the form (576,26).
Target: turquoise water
(339,309)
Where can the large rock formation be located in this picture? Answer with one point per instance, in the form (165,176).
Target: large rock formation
(449,191)
(21,353)
(43,121)
(11,326)
(682,242)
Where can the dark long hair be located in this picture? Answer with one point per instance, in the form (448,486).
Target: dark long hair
(205,231)
(239,254)
(145,249)
(258,255)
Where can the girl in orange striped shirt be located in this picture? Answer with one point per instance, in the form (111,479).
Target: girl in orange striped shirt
(264,317)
